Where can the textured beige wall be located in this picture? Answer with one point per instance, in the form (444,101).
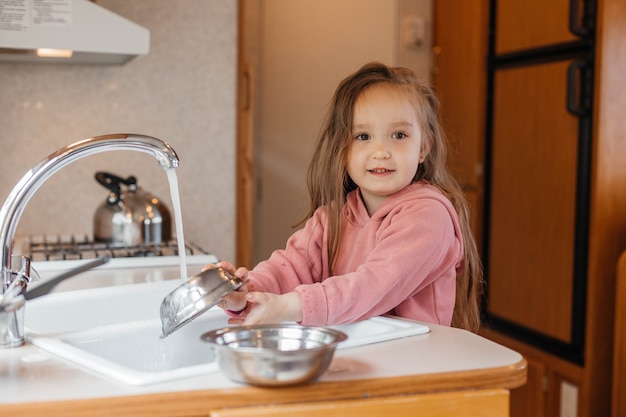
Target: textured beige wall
(183,91)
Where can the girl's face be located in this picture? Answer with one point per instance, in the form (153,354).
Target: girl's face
(386,144)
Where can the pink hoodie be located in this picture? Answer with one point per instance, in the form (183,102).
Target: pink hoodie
(402,260)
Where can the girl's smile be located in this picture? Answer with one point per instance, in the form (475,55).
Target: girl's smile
(380,171)
(386,143)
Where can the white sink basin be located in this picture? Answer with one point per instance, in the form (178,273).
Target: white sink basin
(116,332)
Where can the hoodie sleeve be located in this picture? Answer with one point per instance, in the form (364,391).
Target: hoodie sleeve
(302,262)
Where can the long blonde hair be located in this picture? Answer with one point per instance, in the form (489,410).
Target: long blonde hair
(329,183)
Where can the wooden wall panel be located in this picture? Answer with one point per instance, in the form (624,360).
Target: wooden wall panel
(532,23)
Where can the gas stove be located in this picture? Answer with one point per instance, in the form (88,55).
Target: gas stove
(51,255)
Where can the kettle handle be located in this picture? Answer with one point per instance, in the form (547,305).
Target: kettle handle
(112,182)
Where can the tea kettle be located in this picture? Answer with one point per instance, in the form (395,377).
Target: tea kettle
(132,216)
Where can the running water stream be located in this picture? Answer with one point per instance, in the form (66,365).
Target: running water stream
(178,221)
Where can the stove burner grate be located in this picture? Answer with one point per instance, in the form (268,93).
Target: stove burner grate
(71,247)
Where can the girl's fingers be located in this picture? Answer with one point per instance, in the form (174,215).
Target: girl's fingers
(256,297)
(226,265)
(208,266)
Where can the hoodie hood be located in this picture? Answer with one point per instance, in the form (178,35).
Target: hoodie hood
(357,214)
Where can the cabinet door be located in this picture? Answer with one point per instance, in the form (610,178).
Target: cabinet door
(530,398)
(619,352)
(526,24)
(534,154)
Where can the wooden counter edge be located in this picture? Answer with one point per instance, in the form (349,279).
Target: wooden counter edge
(200,403)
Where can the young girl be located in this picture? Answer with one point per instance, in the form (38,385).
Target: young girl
(388,228)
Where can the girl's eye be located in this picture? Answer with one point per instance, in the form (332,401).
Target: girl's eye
(362,136)
(399,135)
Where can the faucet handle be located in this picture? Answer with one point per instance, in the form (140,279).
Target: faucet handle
(22,268)
(18,280)
(25,267)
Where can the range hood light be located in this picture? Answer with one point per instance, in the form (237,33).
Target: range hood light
(54,53)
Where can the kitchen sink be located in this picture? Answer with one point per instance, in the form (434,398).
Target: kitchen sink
(116,332)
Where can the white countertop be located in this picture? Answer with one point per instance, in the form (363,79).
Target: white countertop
(28,374)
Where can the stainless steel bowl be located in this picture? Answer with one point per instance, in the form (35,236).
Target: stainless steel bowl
(198,294)
(274,355)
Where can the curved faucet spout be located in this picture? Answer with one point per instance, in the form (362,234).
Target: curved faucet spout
(22,192)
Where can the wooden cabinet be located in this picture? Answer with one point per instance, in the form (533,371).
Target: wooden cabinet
(530,400)
(550,247)
(619,354)
(538,139)
(542,394)
(488,403)
(533,202)
(528,24)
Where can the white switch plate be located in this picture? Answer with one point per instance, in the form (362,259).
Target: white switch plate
(569,400)
(414,32)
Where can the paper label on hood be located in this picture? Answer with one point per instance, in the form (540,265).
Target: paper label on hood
(14,15)
(52,12)
(19,15)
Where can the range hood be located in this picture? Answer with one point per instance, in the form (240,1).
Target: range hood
(68,31)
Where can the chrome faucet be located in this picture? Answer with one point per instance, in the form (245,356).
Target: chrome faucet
(22,192)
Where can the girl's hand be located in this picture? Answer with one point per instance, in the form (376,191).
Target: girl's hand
(267,308)
(241,272)
(234,301)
